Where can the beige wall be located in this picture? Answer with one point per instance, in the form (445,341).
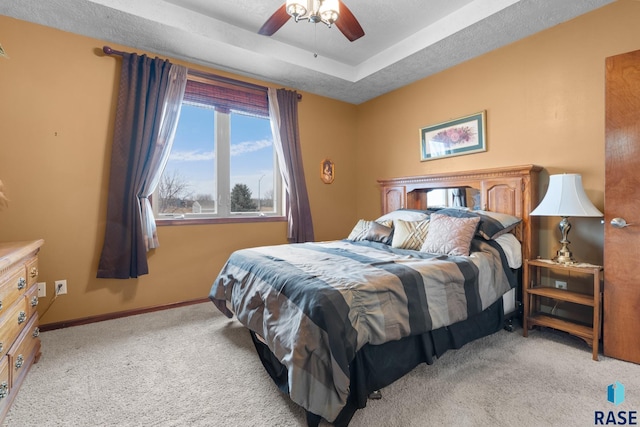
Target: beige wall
(544,98)
(57,103)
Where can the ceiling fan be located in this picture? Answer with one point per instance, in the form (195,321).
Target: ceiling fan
(328,12)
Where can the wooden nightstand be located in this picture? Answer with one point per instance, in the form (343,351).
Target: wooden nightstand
(535,288)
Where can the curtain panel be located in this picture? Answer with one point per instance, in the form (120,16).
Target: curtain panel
(145,114)
(283,111)
(160,150)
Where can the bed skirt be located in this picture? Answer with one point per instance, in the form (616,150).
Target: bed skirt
(377,366)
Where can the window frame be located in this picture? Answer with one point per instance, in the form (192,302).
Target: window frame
(222,132)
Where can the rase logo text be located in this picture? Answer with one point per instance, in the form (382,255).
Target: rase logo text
(615,395)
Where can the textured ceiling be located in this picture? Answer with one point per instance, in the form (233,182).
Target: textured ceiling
(405,40)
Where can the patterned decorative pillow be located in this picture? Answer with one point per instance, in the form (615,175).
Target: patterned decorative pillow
(449,235)
(362,227)
(409,234)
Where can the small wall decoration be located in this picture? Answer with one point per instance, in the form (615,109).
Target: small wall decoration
(327,171)
(465,135)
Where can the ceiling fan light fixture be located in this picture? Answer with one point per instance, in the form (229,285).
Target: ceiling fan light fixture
(314,11)
(297,8)
(329,11)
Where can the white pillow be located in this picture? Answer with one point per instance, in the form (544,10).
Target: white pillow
(403,214)
(512,249)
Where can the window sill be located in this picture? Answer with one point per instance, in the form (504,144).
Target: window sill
(228,220)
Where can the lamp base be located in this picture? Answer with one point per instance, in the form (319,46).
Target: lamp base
(564,254)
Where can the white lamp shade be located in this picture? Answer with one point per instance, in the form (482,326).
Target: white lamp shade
(566,197)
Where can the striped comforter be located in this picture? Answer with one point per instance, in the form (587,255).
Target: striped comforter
(317,304)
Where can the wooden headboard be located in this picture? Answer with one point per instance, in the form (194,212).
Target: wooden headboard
(511,190)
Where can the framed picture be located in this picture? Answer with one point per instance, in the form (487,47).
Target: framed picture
(465,135)
(327,171)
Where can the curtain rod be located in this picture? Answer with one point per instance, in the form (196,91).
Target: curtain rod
(109,51)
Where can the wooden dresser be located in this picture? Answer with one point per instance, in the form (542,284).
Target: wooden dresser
(19,342)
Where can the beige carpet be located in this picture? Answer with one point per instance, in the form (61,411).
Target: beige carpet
(191,366)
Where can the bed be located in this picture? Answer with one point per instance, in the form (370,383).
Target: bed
(334,322)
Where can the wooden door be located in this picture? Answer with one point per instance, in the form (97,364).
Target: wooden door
(621,332)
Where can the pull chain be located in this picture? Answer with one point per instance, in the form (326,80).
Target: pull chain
(315,40)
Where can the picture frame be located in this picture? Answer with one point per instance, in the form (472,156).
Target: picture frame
(465,135)
(327,171)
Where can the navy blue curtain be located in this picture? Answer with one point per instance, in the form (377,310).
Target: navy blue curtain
(299,210)
(143,87)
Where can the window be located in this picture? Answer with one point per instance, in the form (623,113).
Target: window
(222,163)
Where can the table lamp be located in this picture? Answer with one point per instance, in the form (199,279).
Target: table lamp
(565,197)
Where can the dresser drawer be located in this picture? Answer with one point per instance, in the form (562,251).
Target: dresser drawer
(23,352)
(32,300)
(12,288)
(11,323)
(4,381)
(32,271)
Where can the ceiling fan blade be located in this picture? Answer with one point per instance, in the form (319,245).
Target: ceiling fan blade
(275,21)
(348,24)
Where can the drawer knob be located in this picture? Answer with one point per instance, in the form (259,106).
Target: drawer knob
(22,282)
(1,346)
(4,389)
(33,271)
(0,304)
(34,301)
(22,317)
(36,332)
(19,361)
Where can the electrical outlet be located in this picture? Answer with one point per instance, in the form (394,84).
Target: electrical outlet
(561,285)
(60,287)
(42,289)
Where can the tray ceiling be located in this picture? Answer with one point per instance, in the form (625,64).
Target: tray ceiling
(405,40)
